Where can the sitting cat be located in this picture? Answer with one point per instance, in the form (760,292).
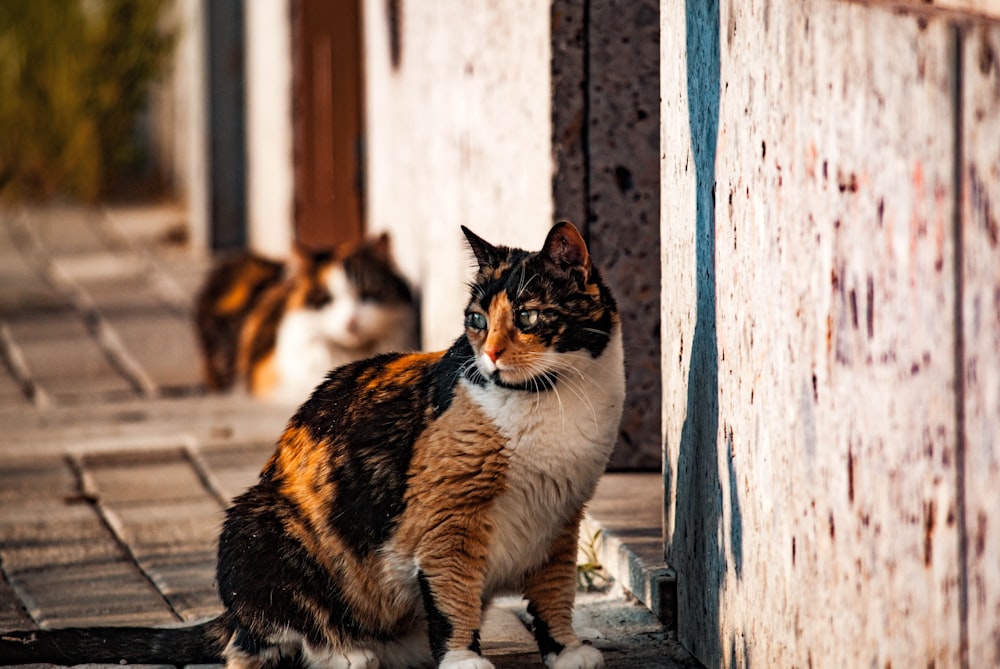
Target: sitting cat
(282,329)
(409,489)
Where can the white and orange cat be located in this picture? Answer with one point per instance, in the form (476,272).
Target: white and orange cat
(410,489)
(281,329)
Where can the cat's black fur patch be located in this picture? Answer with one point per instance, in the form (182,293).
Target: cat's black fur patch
(447,373)
(543,635)
(439,628)
(374,279)
(255,526)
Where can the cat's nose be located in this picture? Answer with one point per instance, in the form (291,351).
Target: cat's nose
(493,353)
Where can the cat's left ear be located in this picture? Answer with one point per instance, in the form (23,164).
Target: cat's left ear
(486,254)
(381,247)
(564,247)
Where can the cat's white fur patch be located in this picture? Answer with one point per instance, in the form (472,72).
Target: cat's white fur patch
(464,659)
(559,441)
(580,657)
(355,658)
(411,651)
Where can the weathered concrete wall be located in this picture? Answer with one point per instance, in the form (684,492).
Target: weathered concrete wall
(821,445)
(270,183)
(179,111)
(458,132)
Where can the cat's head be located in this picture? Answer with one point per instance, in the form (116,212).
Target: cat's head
(355,292)
(534,318)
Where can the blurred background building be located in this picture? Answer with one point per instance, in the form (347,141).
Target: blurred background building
(323,121)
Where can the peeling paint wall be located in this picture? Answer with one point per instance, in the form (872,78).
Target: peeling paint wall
(830,316)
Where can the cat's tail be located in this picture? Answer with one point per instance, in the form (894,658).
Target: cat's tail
(197,644)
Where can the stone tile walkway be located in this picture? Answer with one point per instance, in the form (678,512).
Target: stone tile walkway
(115,467)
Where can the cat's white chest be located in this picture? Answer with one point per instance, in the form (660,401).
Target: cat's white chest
(302,356)
(559,441)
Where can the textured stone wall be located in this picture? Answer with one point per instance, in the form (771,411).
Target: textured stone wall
(832,385)
(605,137)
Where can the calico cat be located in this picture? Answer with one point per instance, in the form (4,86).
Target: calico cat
(282,329)
(409,489)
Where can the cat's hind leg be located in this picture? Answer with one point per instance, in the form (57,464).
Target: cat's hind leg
(245,651)
(326,657)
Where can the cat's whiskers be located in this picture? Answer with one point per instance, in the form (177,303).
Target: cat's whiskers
(538,371)
(579,393)
(596,331)
(475,377)
(576,385)
(478,290)
(524,284)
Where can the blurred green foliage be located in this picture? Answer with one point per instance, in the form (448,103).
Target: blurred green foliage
(74,79)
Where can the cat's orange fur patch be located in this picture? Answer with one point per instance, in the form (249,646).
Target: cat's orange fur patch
(234,300)
(304,466)
(552,588)
(501,331)
(458,470)
(264,377)
(402,371)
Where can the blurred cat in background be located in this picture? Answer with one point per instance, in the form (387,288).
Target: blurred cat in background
(280,327)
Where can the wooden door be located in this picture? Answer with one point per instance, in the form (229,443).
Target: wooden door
(328,127)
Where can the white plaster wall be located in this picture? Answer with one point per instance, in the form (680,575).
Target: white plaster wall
(459,134)
(189,132)
(270,179)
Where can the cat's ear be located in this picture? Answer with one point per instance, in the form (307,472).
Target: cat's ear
(486,254)
(381,247)
(564,247)
(300,258)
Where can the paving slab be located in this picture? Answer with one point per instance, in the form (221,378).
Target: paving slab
(503,632)
(22,288)
(65,230)
(62,560)
(232,468)
(64,359)
(158,506)
(13,615)
(164,344)
(139,425)
(12,391)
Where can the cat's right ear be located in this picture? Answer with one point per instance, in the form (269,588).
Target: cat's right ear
(486,254)
(301,258)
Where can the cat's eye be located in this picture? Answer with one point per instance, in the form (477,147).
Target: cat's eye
(475,320)
(527,318)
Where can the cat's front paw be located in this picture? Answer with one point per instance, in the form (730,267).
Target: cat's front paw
(464,659)
(578,657)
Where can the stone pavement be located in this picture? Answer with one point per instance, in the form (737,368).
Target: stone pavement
(115,467)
